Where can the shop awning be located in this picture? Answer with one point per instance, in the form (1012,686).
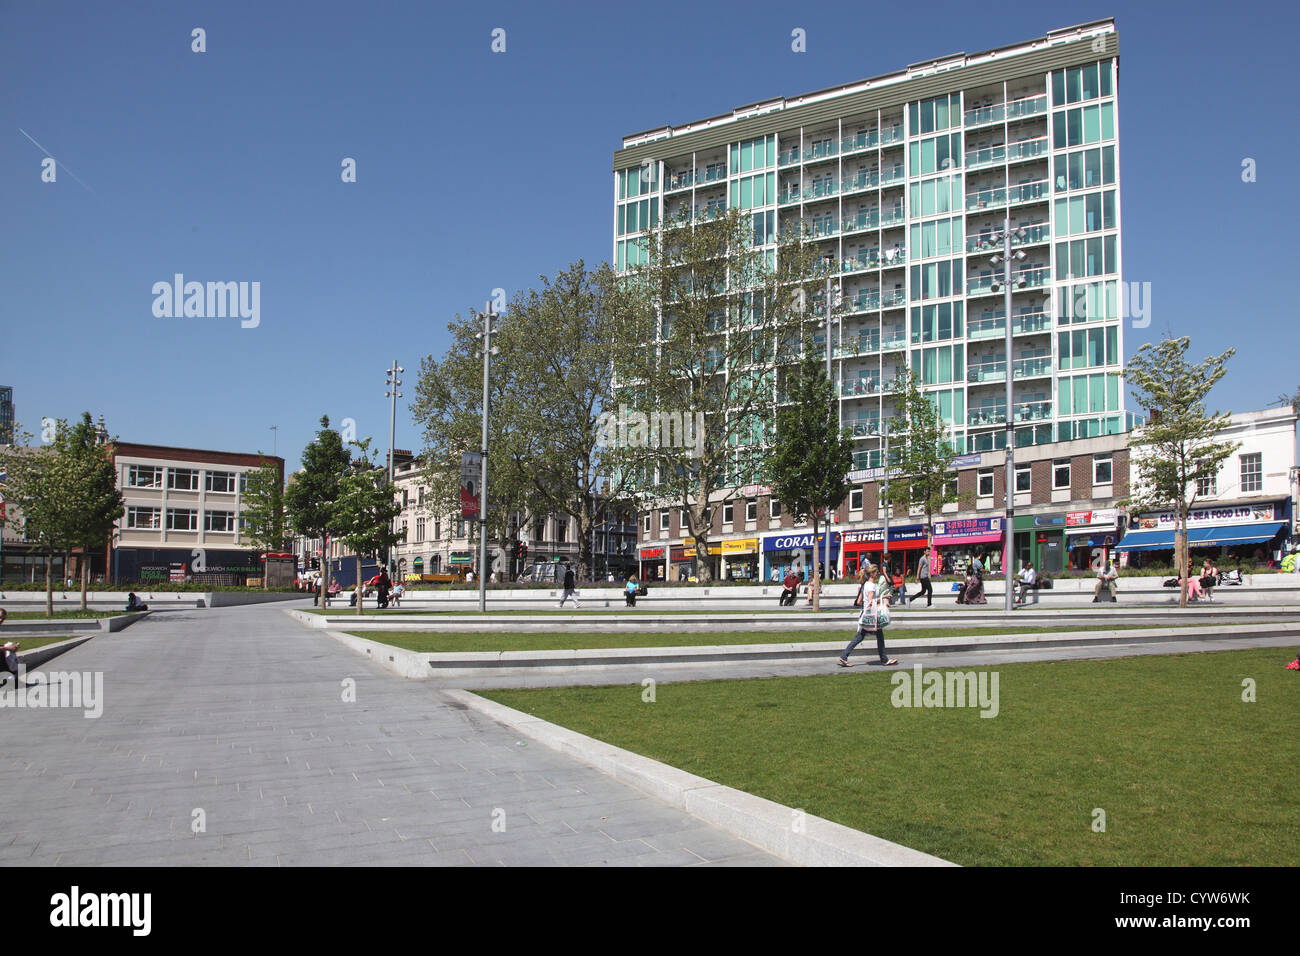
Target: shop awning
(1162,539)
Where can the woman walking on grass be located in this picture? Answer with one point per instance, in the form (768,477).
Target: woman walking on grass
(873,618)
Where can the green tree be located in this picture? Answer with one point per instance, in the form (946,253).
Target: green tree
(91,496)
(266,525)
(310,497)
(811,456)
(362,515)
(33,490)
(703,325)
(1178,447)
(920,453)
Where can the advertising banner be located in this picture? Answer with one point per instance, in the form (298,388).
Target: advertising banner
(471,469)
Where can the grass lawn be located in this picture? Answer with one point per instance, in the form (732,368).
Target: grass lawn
(61,615)
(1187,774)
(31,643)
(433,642)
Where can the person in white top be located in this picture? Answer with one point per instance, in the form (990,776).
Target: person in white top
(872,606)
(1027,578)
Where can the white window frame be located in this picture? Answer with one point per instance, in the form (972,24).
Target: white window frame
(728,513)
(855,499)
(663,519)
(1256,474)
(192,472)
(135,473)
(231,482)
(133,514)
(774,507)
(1028,473)
(751,509)
(980,476)
(1108,461)
(1056,466)
(171,512)
(1207,487)
(208,524)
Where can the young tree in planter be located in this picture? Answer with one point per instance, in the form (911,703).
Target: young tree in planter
(265,522)
(1178,447)
(811,457)
(93,502)
(309,499)
(362,515)
(706,320)
(920,451)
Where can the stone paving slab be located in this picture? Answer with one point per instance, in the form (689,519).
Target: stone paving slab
(241,714)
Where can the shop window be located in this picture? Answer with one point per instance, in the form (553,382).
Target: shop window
(986,484)
(1101,470)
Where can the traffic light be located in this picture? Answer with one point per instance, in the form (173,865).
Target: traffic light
(523,551)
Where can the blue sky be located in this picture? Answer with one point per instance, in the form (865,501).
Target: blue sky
(478,170)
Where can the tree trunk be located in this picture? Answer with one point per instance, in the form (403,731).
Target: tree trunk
(361,588)
(816,570)
(324,571)
(85,578)
(49,583)
(1180,556)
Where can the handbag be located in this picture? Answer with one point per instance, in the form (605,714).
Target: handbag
(874,618)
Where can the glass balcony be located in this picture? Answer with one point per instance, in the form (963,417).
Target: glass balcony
(866,342)
(822,150)
(984,242)
(714,174)
(863,180)
(823,189)
(1034,412)
(994,326)
(864,385)
(895,175)
(893,217)
(986,198)
(1029,192)
(1034,367)
(863,427)
(891,134)
(889,300)
(987,372)
(1029,106)
(983,115)
(987,156)
(821,228)
(863,220)
(1027,149)
(896,256)
(681,181)
(788,157)
(893,341)
(851,144)
(987,415)
(865,259)
(863,302)
(790,196)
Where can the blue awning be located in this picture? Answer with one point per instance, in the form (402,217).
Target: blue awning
(1224,535)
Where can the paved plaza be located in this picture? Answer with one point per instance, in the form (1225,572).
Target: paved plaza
(240,713)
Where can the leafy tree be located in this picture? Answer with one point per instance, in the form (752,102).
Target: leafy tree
(1178,447)
(33,489)
(811,456)
(920,451)
(703,325)
(265,520)
(310,497)
(92,499)
(362,515)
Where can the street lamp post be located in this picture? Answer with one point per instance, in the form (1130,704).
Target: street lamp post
(1004,260)
(487,352)
(392,383)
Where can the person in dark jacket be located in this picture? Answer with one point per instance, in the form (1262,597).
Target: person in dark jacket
(383,585)
(570,587)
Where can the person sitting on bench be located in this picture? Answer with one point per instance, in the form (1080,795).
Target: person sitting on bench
(133,603)
(630,590)
(1106,577)
(1028,581)
(11,663)
(791,585)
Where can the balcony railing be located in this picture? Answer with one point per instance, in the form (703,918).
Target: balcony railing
(985,114)
(788,157)
(863,302)
(864,259)
(822,189)
(681,181)
(1027,149)
(1035,277)
(891,134)
(860,387)
(1029,192)
(1028,106)
(987,415)
(791,195)
(863,180)
(894,217)
(994,326)
(823,150)
(821,228)
(987,372)
(1034,412)
(1040,232)
(864,343)
(1034,367)
(895,342)
(989,198)
(863,427)
(975,158)
(895,175)
(717,174)
(863,220)
(865,140)
(897,297)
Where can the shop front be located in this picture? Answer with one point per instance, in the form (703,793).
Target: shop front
(739,558)
(652,564)
(795,552)
(1254,532)
(1090,537)
(1041,539)
(958,541)
(906,542)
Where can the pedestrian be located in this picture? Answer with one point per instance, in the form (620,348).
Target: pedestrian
(791,585)
(862,581)
(398,590)
(12,664)
(1209,577)
(874,618)
(1107,578)
(923,578)
(977,566)
(570,587)
(383,585)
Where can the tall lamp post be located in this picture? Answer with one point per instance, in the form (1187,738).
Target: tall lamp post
(392,383)
(487,352)
(1007,284)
